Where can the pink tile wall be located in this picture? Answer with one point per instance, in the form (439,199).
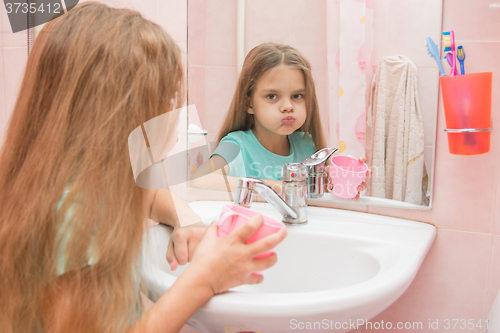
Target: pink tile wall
(460,277)
(218,95)
(447,285)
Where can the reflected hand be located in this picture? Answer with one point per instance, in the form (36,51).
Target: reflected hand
(362,187)
(183,243)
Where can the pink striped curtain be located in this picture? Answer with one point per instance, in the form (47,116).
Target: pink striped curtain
(350,70)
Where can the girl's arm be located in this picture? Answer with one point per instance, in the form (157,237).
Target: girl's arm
(209,176)
(222,263)
(175,307)
(167,208)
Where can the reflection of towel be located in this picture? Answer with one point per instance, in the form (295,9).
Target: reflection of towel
(395,133)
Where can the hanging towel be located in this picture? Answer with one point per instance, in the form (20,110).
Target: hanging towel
(395,134)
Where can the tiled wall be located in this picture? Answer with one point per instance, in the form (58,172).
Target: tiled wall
(460,277)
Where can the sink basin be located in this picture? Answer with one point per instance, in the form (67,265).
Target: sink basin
(335,273)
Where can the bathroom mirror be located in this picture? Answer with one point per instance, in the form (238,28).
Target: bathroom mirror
(332,35)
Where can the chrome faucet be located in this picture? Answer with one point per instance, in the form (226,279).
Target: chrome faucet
(300,181)
(290,214)
(316,165)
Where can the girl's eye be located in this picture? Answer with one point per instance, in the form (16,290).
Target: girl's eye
(298,96)
(272,97)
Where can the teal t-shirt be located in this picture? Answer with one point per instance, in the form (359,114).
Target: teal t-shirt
(246,156)
(64,233)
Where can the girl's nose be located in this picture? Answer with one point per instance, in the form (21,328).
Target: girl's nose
(286,106)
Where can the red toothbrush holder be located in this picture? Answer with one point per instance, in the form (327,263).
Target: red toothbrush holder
(467,109)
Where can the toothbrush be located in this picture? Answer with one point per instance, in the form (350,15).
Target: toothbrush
(448,59)
(449,45)
(461,58)
(434,52)
(469,138)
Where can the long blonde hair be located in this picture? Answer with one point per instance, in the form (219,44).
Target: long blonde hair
(94,75)
(259,61)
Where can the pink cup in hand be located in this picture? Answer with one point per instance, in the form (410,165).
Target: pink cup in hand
(234,216)
(346,173)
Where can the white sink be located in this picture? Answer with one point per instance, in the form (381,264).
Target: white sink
(334,273)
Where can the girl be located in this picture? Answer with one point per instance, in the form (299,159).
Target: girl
(273,119)
(72,216)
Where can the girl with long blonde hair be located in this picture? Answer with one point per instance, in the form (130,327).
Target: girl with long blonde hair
(72,216)
(273,118)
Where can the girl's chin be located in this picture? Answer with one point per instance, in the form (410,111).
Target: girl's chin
(288,129)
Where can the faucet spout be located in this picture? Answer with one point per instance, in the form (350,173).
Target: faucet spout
(246,186)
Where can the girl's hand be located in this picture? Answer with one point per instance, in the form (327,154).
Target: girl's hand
(362,187)
(183,243)
(224,263)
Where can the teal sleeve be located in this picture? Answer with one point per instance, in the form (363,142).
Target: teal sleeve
(230,151)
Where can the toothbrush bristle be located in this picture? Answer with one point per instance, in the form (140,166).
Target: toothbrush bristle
(446,41)
(460,53)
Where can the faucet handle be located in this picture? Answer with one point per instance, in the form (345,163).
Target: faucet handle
(317,161)
(294,172)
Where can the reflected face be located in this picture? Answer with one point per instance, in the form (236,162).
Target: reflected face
(278,102)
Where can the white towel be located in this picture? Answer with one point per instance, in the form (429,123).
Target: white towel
(395,134)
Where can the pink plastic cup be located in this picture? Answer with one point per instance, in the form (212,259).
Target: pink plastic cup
(346,173)
(234,216)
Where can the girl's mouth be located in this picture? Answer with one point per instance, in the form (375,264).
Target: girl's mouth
(288,120)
